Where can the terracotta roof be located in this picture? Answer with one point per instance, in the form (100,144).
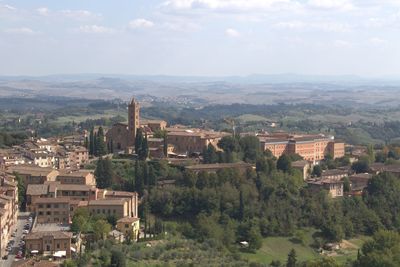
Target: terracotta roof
(120,193)
(74,187)
(31,170)
(54,234)
(79,173)
(45,200)
(107,201)
(128,219)
(37,189)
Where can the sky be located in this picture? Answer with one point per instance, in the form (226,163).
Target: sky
(200,37)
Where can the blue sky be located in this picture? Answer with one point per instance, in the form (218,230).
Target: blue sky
(200,37)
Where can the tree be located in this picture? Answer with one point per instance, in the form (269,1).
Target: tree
(284,163)
(210,154)
(292,259)
(21,192)
(118,259)
(104,173)
(139,181)
(317,171)
(250,145)
(229,144)
(382,250)
(100,229)
(144,151)
(101,148)
(138,140)
(361,166)
(91,142)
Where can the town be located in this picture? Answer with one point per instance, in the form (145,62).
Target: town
(46,185)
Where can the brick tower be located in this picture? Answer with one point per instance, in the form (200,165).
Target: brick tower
(133,121)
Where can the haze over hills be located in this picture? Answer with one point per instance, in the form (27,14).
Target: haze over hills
(202,90)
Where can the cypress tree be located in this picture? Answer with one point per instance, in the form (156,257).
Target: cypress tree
(101,149)
(91,144)
(138,140)
(165,147)
(292,259)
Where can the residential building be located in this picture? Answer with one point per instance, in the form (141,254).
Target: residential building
(304,166)
(48,243)
(335,174)
(119,207)
(129,226)
(334,187)
(52,210)
(83,177)
(33,174)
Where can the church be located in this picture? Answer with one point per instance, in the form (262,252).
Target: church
(122,136)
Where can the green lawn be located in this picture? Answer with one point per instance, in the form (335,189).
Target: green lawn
(277,248)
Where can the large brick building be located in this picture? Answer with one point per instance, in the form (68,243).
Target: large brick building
(311,147)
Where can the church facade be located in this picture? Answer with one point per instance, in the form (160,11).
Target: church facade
(121,136)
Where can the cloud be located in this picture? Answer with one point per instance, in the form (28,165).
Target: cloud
(341,43)
(233,5)
(79,14)
(44,11)
(232,33)
(95,29)
(7,7)
(22,30)
(377,41)
(140,23)
(316,25)
(344,5)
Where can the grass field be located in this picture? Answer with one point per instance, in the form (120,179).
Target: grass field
(277,248)
(77,119)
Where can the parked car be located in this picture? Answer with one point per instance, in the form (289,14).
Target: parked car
(18,256)
(5,257)
(25,232)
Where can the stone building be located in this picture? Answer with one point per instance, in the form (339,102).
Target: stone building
(49,243)
(121,135)
(311,147)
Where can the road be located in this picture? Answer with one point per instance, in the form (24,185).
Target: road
(20,227)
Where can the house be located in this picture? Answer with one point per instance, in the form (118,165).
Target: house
(33,174)
(334,187)
(303,166)
(83,177)
(49,243)
(52,210)
(335,174)
(130,227)
(359,182)
(119,207)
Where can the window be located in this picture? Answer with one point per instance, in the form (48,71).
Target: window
(126,225)
(58,245)
(40,206)
(56,206)
(48,213)
(48,206)
(40,212)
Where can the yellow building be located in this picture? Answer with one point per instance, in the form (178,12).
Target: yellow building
(129,226)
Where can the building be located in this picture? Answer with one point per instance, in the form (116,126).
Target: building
(78,156)
(359,182)
(311,147)
(52,210)
(334,187)
(303,166)
(192,141)
(119,207)
(33,174)
(335,174)
(154,125)
(129,226)
(131,197)
(49,243)
(122,136)
(83,177)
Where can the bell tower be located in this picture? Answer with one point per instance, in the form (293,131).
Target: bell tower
(133,120)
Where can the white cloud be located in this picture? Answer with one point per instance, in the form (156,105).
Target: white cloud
(237,5)
(291,25)
(232,33)
(344,5)
(140,23)
(315,25)
(7,7)
(22,30)
(44,11)
(79,14)
(377,41)
(341,43)
(95,29)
